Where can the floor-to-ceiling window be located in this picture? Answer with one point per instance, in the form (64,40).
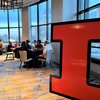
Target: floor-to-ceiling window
(88,9)
(10,25)
(40,21)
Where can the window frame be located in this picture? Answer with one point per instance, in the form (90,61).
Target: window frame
(11,27)
(86,9)
(38,24)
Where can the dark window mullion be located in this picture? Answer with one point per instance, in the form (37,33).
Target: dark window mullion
(84,8)
(46,20)
(39,25)
(30,9)
(19,25)
(8,26)
(86,5)
(38,20)
(89,8)
(78,9)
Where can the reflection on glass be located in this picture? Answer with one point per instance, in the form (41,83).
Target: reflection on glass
(4,35)
(13,18)
(93,2)
(34,34)
(81,16)
(95,13)
(42,13)
(14,34)
(33,17)
(81,5)
(95,44)
(94,71)
(42,34)
(3,18)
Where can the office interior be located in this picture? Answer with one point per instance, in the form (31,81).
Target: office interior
(33,22)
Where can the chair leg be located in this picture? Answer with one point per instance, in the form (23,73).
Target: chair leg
(20,65)
(6,56)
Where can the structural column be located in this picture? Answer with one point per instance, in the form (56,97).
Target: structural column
(25,24)
(56,11)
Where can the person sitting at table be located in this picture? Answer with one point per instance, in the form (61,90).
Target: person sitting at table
(15,49)
(9,47)
(16,44)
(23,46)
(43,55)
(28,45)
(35,43)
(47,53)
(29,53)
(2,46)
(39,46)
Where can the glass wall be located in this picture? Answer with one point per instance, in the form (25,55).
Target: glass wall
(10,25)
(40,21)
(88,9)
(93,2)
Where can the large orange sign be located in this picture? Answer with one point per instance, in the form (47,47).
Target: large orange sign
(74,38)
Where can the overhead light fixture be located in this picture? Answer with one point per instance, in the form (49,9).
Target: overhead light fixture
(11,4)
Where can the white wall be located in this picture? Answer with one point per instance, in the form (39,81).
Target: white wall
(25,24)
(56,12)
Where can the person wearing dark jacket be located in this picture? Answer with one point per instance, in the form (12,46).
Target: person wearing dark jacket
(24,47)
(28,45)
(9,48)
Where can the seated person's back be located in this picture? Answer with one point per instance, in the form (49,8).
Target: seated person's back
(28,45)
(23,46)
(9,48)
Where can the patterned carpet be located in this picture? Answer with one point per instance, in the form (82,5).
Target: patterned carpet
(22,84)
